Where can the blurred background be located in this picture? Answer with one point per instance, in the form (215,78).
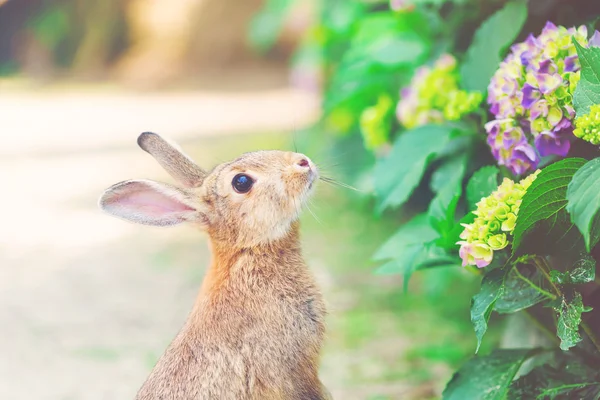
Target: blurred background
(87,302)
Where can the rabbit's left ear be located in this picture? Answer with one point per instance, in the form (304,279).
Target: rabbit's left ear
(150,203)
(172,159)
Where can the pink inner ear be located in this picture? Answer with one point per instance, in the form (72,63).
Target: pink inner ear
(147,202)
(152,203)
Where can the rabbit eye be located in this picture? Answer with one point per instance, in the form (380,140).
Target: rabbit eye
(242,183)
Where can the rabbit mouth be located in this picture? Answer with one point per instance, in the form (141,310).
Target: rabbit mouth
(311,181)
(313,176)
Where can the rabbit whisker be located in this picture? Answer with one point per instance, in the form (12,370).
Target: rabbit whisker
(313,214)
(337,183)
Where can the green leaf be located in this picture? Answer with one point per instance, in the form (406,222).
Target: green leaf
(447,182)
(397,175)
(483,182)
(489,44)
(389,39)
(583,195)
(548,382)
(373,26)
(523,288)
(583,271)
(587,92)
(569,318)
(542,212)
(415,232)
(411,248)
(394,50)
(486,377)
(414,257)
(384,48)
(482,304)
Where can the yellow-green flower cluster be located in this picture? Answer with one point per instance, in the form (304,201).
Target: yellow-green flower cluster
(375,122)
(587,127)
(494,223)
(461,102)
(434,96)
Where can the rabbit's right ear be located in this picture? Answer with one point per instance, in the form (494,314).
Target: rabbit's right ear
(150,203)
(172,159)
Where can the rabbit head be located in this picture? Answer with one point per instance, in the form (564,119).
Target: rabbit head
(251,200)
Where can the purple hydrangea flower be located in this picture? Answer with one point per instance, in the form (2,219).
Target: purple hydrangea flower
(531,97)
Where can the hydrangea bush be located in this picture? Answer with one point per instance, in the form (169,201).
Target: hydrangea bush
(531,98)
(510,189)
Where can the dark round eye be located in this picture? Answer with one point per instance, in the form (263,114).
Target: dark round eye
(242,183)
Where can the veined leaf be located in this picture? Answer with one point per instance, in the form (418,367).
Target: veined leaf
(583,195)
(415,232)
(583,271)
(569,318)
(543,214)
(447,182)
(587,92)
(411,248)
(523,288)
(548,382)
(397,175)
(487,377)
(482,305)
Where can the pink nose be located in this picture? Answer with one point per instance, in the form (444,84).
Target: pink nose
(303,163)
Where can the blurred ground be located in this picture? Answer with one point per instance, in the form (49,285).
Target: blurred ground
(88,302)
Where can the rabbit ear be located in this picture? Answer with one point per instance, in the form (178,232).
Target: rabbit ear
(172,159)
(149,203)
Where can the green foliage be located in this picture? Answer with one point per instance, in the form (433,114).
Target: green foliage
(411,248)
(492,287)
(382,49)
(487,377)
(483,182)
(543,210)
(492,38)
(524,286)
(533,240)
(508,289)
(587,92)
(583,195)
(550,382)
(569,318)
(446,181)
(400,172)
(583,271)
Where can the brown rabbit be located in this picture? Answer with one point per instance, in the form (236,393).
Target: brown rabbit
(257,326)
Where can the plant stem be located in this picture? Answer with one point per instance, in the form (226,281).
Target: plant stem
(542,265)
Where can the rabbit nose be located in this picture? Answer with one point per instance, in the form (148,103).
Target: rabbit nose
(303,163)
